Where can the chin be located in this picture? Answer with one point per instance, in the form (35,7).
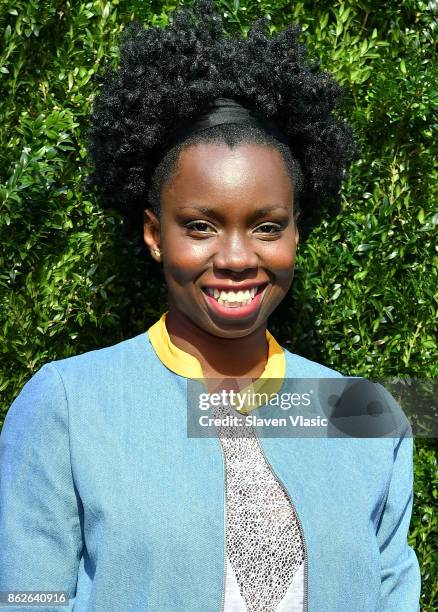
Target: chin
(234,329)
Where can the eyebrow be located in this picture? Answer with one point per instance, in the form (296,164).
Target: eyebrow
(259,212)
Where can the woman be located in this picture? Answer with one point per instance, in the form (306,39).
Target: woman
(103,494)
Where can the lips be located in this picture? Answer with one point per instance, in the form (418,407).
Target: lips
(236,303)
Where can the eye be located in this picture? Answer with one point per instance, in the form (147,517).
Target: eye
(269,228)
(199,226)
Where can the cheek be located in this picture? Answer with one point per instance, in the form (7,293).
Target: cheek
(183,261)
(282,261)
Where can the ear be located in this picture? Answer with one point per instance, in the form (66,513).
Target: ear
(152,234)
(297,236)
(295,218)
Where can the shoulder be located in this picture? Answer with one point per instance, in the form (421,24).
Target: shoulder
(298,366)
(116,356)
(351,389)
(95,369)
(99,370)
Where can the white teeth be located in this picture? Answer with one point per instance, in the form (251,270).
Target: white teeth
(233,298)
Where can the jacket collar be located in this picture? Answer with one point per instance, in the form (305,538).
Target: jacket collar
(187,365)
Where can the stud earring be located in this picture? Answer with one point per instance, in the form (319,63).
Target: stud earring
(157,252)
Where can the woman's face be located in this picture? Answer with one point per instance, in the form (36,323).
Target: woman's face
(226,225)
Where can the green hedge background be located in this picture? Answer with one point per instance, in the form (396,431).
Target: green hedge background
(364,298)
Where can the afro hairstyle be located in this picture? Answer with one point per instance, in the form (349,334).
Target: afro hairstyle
(168,76)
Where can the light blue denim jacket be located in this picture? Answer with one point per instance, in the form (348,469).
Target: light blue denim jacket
(103,495)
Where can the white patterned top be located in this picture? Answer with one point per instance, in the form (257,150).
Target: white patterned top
(265,551)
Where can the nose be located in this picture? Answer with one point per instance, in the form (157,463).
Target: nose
(236,253)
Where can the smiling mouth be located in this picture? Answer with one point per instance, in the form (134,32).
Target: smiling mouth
(234,299)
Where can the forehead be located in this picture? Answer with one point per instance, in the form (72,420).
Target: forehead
(250,174)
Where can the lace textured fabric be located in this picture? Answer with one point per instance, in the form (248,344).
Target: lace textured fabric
(263,538)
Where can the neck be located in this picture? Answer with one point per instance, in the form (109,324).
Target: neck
(219,357)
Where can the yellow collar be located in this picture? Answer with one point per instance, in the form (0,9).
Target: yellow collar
(187,365)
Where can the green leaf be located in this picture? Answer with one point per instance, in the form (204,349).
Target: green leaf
(336,294)
(106,11)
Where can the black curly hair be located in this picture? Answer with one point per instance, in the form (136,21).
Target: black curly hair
(169,75)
